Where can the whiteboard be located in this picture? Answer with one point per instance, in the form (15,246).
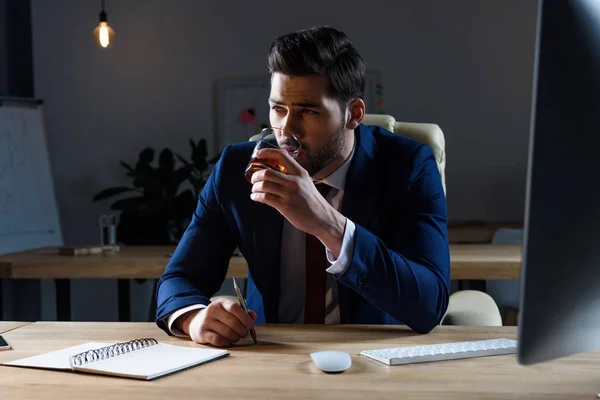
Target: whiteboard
(28,209)
(235,95)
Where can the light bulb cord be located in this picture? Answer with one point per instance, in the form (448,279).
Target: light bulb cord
(102,12)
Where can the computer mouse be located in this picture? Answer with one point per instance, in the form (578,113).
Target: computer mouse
(331,360)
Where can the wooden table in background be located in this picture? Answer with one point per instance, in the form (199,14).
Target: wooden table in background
(132,262)
(477,231)
(485,261)
(468,262)
(6,326)
(280,367)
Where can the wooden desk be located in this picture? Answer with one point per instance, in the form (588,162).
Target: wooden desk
(280,367)
(6,326)
(468,261)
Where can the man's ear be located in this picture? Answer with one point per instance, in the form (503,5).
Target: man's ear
(357,113)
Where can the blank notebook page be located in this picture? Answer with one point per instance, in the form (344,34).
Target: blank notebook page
(152,362)
(58,359)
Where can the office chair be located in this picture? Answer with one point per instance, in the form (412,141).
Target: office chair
(472,307)
(466,307)
(430,134)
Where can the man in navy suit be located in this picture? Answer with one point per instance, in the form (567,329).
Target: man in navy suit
(354,231)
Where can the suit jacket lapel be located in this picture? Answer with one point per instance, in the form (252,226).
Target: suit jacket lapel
(362,188)
(361,192)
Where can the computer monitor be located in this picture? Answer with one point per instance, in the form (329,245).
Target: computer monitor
(560,281)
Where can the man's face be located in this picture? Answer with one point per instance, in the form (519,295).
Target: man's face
(302,106)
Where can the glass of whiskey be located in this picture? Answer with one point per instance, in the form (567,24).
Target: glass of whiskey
(273,138)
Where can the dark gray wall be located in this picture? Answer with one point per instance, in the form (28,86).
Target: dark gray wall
(463,64)
(17,48)
(3,60)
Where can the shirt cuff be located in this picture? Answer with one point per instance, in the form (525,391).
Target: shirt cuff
(176,314)
(339,266)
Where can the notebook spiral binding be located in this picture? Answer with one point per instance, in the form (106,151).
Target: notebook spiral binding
(110,351)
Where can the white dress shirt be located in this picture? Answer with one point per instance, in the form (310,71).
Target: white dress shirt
(293,258)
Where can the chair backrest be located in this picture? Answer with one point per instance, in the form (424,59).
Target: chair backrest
(430,134)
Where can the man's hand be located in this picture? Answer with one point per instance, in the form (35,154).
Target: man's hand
(221,324)
(295,196)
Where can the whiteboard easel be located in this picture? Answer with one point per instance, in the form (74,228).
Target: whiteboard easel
(28,209)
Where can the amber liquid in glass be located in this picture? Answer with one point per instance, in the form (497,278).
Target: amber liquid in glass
(256,164)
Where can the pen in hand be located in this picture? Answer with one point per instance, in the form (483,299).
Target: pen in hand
(243,304)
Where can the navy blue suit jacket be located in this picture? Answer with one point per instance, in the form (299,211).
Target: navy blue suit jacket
(400,267)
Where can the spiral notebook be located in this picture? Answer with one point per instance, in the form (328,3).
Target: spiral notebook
(144,359)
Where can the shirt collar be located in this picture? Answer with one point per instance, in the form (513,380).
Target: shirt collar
(337,179)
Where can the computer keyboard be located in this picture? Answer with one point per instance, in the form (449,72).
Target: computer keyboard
(444,351)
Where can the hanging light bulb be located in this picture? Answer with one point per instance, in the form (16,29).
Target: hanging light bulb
(103,33)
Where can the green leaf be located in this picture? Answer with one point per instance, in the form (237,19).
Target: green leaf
(166,160)
(110,192)
(130,203)
(182,174)
(194,181)
(127,166)
(146,156)
(145,175)
(199,155)
(183,160)
(202,147)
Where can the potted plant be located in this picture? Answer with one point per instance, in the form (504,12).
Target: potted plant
(159,206)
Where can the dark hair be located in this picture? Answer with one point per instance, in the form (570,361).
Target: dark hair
(321,51)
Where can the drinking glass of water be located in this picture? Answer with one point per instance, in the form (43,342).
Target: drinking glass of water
(108,232)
